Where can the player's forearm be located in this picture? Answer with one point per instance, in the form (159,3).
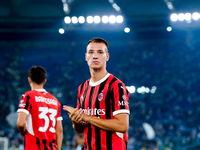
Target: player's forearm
(21,127)
(59,134)
(59,138)
(114,125)
(78,127)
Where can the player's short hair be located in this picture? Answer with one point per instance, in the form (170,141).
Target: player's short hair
(37,74)
(98,40)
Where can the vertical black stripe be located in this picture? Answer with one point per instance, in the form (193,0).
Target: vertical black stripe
(121,95)
(84,94)
(54,143)
(81,87)
(97,106)
(79,91)
(30,108)
(38,143)
(45,142)
(108,113)
(108,116)
(50,145)
(89,138)
(79,102)
(27,102)
(113,100)
(83,100)
(90,102)
(112,94)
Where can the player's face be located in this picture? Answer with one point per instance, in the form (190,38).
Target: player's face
(96,55)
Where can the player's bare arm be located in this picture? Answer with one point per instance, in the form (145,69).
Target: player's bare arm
(21,122)
(59,134)
(76,118)
(118,124)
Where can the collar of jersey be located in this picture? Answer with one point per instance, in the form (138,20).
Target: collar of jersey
(40,90)
(100,81)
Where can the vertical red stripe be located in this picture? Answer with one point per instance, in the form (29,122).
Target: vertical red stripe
(86,107)
(93,114)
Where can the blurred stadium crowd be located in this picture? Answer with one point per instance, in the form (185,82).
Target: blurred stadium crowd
(172,66)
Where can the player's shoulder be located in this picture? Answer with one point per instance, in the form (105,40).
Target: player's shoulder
(51,96)
(31,92)
(114,79)
(84,83)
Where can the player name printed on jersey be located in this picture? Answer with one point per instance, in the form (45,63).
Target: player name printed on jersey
(46,100)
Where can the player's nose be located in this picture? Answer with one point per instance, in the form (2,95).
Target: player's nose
(95,55)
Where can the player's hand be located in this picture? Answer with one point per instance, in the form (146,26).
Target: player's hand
(68,109)
(75,115)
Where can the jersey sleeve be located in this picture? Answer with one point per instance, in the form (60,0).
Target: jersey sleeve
(120,98)
(24,104)
(59,117)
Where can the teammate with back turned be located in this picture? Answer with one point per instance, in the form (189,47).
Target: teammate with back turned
(39,117)
(102,111)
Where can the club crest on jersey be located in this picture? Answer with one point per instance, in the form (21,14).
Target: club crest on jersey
(100,96)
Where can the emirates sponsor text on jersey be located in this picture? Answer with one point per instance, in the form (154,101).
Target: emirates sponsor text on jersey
(94,111)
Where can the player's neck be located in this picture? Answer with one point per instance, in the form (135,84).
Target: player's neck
(97,75)
(36,86)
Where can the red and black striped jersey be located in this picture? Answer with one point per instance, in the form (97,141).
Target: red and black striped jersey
(43,111)
(104,99)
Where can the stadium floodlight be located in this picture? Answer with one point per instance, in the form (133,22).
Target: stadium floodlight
(174,17)
(61,31)
(97,19)
(127,30)
(66,7)
(105,19)
(181,17)
(112,19)
(147,90)
(153,89)
(67,20)
(195,16)
(131,89)
(81,19)
(116,7)
(111,1)
(169,29)
(188,16)
(119,19)
(90,19)
(74,20)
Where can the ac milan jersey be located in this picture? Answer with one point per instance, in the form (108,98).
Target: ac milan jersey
(43,111)
(103,99)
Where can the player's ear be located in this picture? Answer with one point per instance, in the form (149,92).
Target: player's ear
(29,80)
(107,56)
(44,81)
(85,56)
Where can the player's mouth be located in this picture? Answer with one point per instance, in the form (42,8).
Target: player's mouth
(95,62)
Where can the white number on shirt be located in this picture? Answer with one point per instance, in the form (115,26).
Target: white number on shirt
(43,115)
